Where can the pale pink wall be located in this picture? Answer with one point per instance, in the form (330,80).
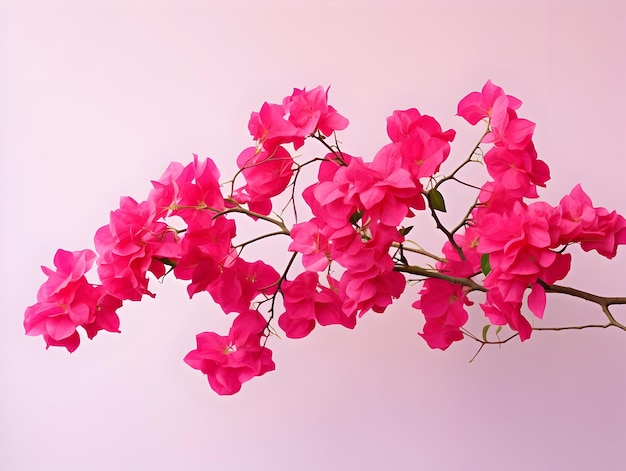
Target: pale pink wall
(97,98)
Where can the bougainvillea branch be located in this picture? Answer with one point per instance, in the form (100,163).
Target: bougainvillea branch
(355,248)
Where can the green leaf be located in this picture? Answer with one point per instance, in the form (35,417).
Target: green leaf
(485,330)
(435,200)
(498,330)
(356,217)
(485,266)
(405,230)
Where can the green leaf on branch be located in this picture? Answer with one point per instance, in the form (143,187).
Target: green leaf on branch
(405,230)
(435,200)
(485,266)
(356,217)
(485,330)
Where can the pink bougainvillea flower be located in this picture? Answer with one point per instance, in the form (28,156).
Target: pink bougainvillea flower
(365,247)
(419,140)
(511,132)
(517,170)
(67,300)
(537,300)
(330,164)
(311,243)
(165,192)
(611,224)
(400,123)
(132,244)
(358,210)
(375,193)
(521,244)
(443,305)
(501,312)
(426,147)
(333,202)
(270,128)
(506,129)
(267,174)
(240,282)
(204,249)
(199,193)
(230,360)
(300,115)
(70,269)
(307,303)
(438,334)
(105,317)
(381,190)
(578,215)
(371,289)
(455,265)
(594,228)
(393,191)
(309,111)
(526,225)
(490,101)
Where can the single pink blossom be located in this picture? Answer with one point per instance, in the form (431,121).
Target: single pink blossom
(611,224)
(438,334)
(389,198)
(165,192)
(594,228)
(426,147)
(331,163)
(267,174)
(311,243)
(240,282)
(308,111)
(443,305)
(198,191)
(517,170)
(511,132)
(372,289)
(270,128)
(228,361)
(464,267)
(400,123)
(490,102)
(204,249)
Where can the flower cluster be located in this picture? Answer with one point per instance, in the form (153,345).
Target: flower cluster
(442,302)
(353,249)
(518,245)
(67,300)
(267,167)
(357,208)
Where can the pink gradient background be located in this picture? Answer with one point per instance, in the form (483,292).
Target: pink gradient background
(97,100)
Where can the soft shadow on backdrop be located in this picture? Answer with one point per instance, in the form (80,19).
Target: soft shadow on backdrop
(96,98)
